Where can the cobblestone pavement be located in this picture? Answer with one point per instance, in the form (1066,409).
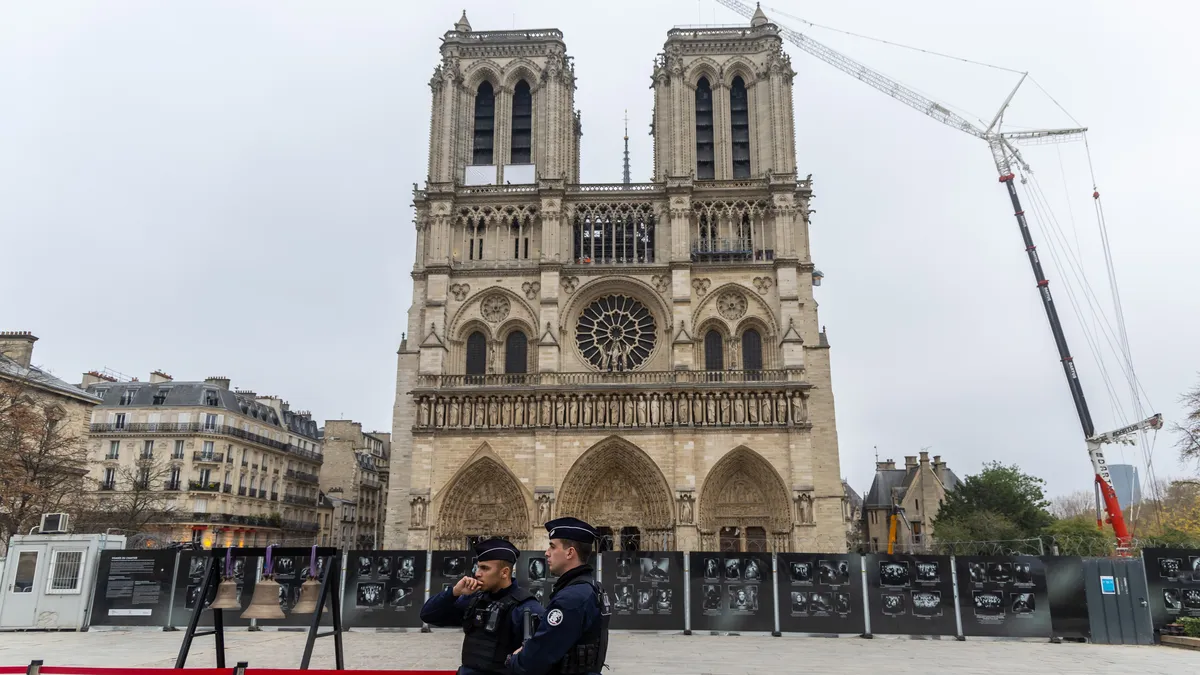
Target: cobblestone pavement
(629,653)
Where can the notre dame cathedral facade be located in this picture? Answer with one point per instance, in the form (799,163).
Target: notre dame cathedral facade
(645,356)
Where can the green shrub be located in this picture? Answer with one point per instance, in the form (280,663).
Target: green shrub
(1191,626)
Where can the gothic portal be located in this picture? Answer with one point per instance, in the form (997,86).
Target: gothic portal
(644,356)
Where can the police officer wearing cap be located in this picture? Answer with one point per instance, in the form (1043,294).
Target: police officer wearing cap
(489,606)
(573,638)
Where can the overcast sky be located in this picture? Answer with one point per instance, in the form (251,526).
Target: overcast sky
(224,188)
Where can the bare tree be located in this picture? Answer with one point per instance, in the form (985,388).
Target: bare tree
(142,497)
(1073,505)
(1189,431)
(43,459)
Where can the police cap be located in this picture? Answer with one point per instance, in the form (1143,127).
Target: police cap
(573,529)
(496,549)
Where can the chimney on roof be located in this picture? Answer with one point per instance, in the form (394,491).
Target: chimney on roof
(219,381)
(93,377)
(938,464)
(18,346)
(157,376)
(885,466)
(924,458)
(910,461)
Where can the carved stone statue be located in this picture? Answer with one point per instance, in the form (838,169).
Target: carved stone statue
(418,512)
(686,513)
(543,505)
(804,509)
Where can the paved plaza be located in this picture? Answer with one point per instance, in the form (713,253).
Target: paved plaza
(630,653)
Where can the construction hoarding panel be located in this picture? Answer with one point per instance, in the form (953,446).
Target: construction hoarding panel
(646,589)
(732,592)
(1003,596)
(820,593)
(384,589)
(910,594)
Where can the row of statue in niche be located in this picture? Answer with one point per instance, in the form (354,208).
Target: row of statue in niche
(726,408)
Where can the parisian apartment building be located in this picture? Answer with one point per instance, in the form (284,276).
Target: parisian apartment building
(230,467)
(354,480)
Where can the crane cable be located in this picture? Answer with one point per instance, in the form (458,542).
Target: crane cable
(893,44)
(1125,355)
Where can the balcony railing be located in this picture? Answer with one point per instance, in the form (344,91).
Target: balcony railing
(303,477)
(242,491)
(108,486)
(172,485)
(274,496)
(227,488)
(300,526)
(201,486)
(200,427)
(602,380)
(305,454)
(302,501)
(209,457)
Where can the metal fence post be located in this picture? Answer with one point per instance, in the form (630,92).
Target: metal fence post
(34,668)
(957,610)
(687,593)
(866,605)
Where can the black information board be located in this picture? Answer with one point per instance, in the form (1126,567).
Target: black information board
(191,576)
(290,573)
(133,588)
(533,573)
(646,589)
(820,593)
(1003,596)
(1173,575)
(732,592)
(910,594)
(447,567)
(384,589)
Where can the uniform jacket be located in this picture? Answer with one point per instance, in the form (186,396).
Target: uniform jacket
(444,610)
(572,610)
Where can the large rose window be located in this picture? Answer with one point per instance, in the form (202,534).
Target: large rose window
(616,333)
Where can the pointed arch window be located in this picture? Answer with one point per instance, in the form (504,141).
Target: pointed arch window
(752,357)
(705,161)
(476,354)
(714,351)
(516,353)
(522,124)
(485,124)
(739,127)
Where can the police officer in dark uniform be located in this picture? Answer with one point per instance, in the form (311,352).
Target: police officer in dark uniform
(573,637)
(489,606)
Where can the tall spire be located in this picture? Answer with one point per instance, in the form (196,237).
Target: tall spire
(626,181)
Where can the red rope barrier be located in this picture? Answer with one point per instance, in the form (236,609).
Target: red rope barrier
(251,670)
(87,670)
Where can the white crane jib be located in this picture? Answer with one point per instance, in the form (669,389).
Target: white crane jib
(1001,143)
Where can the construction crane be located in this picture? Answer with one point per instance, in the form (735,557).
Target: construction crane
(1005,155)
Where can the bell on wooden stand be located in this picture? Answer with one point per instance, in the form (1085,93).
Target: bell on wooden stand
(265,603)
(310,590)
(227,592)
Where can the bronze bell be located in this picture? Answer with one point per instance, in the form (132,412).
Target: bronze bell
(310,594)
(227,595)
(265,603)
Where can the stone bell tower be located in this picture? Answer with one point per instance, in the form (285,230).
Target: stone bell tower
(503,108)
(723,104)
